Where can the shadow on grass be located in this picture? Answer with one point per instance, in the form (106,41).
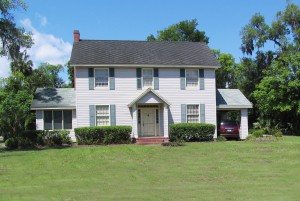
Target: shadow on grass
(22,150)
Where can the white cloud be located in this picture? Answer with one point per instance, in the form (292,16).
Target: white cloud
(43,20)
(47,47)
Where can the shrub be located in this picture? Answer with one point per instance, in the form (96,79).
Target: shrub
(258,133)
(33,138)
(103,135)
(191,132)
(56,137)
(11,143)
(277,133)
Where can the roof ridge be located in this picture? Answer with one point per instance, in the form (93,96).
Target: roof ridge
(108,40)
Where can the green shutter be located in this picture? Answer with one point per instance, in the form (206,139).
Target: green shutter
(182,79)
(92,115)
(201,79)
(91,79)
(183,113)
(202,113)
(156,79)
(112,79)
(139,78)
(112,115)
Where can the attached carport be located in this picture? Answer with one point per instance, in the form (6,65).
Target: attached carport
(234,100)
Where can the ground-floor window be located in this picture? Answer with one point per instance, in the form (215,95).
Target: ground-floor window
(57,119)
(192,113)
(102,115)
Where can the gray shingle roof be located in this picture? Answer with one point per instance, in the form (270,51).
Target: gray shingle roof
(232,99)
(116,52)
(54,98)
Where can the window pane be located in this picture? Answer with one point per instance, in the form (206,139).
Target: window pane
(102,115)
(193,109)
(68,119)
(57,120)
(102,121)
(47,120)
(192,113)
(147,77)
(101,77)
(191,78)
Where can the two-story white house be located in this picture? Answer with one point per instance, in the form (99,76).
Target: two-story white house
(147,85)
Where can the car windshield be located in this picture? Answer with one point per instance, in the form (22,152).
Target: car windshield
(228,123)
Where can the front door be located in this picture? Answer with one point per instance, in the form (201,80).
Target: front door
(148,122)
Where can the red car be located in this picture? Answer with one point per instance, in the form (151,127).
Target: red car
(229,129)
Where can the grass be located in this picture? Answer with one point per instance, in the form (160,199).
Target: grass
(198,171)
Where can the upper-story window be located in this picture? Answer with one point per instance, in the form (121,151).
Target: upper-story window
(101,78)
(147,77)
(192,78)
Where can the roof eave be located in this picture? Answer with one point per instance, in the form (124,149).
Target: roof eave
(146,92)
(54,108)
(144,65)
(234,106)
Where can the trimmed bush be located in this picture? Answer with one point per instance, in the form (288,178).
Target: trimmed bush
(33,138)
(192,132)
(103,135)
(258,133)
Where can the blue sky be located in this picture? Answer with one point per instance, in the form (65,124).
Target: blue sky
(52,22)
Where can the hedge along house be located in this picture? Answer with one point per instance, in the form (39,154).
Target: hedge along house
(147,85)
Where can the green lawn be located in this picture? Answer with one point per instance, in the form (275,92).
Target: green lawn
(198,171)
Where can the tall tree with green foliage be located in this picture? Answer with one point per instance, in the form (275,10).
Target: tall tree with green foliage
(15,101)
(13,39)
(70,70)
(226,75)
(277,93)
(183,31)
(16,94)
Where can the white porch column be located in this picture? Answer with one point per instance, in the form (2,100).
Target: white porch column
(166,121)
(134,132)
(244,124)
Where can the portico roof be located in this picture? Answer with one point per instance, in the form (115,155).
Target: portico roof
(149,93)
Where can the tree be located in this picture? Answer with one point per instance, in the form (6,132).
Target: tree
(22,64)
(71,74)
(276,73)
(13,39)
(226,75)
(15,102)
(46,75)
(183,31)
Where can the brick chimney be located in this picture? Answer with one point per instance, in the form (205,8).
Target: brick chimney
(76,36)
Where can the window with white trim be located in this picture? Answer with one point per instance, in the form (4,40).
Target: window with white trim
(192,113)
(102,115)
(147,77)
(192,78)
(57,119)
(101,78)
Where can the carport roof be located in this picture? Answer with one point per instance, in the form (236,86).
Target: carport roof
(232,99)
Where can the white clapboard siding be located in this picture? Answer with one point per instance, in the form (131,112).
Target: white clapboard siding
(244,124)
(126,91)
(39,120)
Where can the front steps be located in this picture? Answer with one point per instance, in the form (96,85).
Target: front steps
(151,140)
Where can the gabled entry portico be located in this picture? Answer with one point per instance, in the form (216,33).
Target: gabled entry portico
(149,115)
